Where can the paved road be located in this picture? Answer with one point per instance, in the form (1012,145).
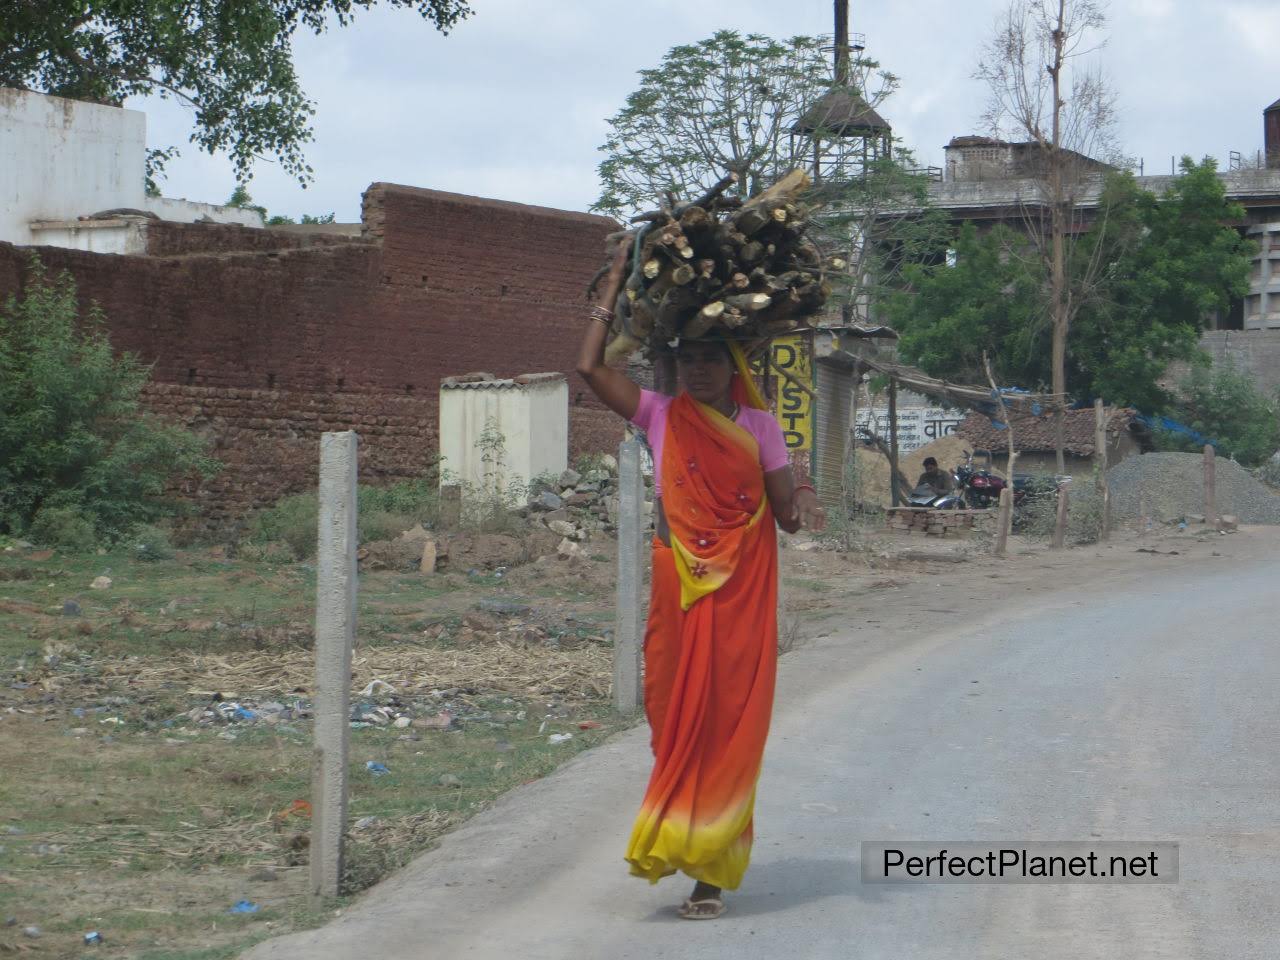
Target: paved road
(1149,711)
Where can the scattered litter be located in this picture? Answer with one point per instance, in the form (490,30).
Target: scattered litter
(449,780)
(93,937)
(299,808)
(590,725)
(70,608)
(244,906)
(32,932)
(376,685)
(402,722)
(377,769)
(1163,553)
(559,737)
(100,583)
(364,823)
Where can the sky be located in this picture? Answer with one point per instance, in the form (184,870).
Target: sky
(513,103)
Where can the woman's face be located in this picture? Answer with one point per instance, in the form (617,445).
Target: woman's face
(705,370)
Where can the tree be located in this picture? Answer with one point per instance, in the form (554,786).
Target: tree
(240,198)
(74,438)
(232,63)
(1161,265)
(1167,264)
(1040,92)
(979,302)
(727,103)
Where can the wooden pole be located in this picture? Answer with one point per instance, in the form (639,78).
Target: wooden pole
(627,628)
(895,494)
(1060,525)
(1210,477)
(1004,518)
(1100,461)
(335,636)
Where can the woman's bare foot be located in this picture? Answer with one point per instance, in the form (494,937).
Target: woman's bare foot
(704,903)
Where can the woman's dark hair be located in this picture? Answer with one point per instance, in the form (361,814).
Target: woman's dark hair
(929,460)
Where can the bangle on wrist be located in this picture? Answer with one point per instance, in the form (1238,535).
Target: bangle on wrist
(805,486)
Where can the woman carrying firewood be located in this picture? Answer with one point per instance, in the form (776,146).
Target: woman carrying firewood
(722,480)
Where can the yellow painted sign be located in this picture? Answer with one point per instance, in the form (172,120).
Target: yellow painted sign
(794,406)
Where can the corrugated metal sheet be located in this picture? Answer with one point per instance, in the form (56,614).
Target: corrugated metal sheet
(835,393)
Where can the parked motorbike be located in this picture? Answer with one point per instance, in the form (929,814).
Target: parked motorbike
(925,496)
(981,486)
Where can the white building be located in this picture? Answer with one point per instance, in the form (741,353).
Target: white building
(72,174)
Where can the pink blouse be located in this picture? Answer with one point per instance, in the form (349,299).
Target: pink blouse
(651,417)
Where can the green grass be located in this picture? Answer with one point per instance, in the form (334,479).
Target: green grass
(158,839)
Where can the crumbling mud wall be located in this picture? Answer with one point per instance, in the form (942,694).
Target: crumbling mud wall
(260,340)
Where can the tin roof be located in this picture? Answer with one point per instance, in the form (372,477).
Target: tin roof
(842,112)
(487,381)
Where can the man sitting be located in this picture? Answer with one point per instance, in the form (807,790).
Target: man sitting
(940,481)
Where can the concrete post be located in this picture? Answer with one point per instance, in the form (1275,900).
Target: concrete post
(1004,520)
(335,637)
(450,506)
(1100,460)
(1210,479)
(1060,525)
(628,629)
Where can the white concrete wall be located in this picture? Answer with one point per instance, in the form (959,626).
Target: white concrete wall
(533,420)
(189,211)
(61,159)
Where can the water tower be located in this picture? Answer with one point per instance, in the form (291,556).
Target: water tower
(844,133)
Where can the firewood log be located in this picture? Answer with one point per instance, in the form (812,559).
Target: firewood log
(722,262)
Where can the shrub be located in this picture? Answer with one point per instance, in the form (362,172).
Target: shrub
(293,521)
(385,513)
(73,433)
(151,544)
(1225,406)
(66,528)
(1038,516)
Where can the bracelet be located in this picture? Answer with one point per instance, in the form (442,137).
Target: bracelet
(601,314)
(805,486)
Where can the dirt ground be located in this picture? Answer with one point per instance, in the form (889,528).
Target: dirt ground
(141,805)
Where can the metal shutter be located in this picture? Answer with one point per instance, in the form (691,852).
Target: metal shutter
(835,393)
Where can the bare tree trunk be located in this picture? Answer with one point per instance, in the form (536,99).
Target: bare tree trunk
(1057,230)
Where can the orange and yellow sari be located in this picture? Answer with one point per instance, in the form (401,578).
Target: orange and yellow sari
(710,652)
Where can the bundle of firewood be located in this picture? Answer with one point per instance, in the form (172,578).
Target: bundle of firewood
(717,264)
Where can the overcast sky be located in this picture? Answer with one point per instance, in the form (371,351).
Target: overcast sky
(513,103)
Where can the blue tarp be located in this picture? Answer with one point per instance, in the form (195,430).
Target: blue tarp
(1173,426)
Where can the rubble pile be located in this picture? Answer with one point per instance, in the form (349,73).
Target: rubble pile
(577,505)
(1170,486)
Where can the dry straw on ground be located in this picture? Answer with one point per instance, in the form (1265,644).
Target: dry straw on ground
(580,674)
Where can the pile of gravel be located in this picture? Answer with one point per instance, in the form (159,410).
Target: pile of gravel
(1172,487)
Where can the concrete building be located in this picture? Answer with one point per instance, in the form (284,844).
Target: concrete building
(973,159)
(74,176)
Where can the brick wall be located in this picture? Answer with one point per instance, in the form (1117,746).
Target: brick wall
(262,339)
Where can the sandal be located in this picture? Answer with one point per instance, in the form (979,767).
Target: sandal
(709,909)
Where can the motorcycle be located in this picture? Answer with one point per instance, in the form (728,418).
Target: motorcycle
(979,486)
(982,486)
(925,496)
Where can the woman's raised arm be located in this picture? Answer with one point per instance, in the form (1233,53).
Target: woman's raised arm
(615,389)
